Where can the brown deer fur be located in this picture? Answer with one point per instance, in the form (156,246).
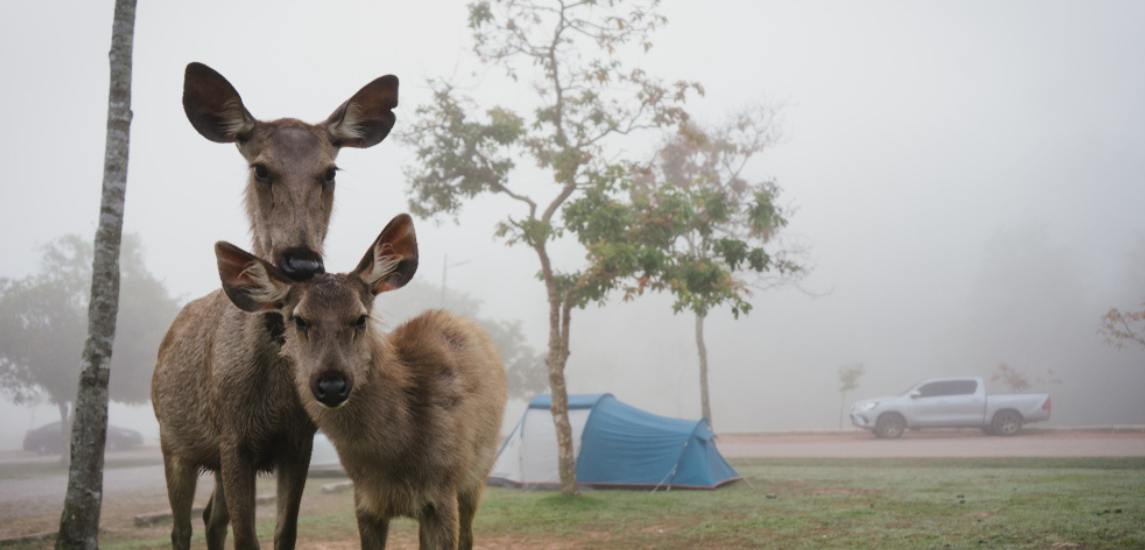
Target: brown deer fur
(417,428)
(222,391)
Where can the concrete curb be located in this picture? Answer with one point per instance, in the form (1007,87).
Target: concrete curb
(339,487)
(13,541)
(147,520)
(36,537)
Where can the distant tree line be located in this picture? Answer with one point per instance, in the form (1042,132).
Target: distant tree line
(43,325)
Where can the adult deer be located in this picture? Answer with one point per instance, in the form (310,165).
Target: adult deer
(222,390)
(414,415)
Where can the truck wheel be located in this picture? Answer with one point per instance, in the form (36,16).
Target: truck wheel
(1006,423)
(890,426)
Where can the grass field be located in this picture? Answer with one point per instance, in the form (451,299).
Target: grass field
(1042,503)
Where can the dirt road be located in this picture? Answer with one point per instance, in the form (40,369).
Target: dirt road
(933,443)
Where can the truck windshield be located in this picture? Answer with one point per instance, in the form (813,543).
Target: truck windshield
(912,388)
(939,388)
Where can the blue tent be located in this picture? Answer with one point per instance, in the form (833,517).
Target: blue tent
(616,445)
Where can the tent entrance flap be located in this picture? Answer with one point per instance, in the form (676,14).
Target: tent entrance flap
(528,457)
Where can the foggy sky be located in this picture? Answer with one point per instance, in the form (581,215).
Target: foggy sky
(918,137)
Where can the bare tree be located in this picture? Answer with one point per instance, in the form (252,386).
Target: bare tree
(1019,379)
(79,523)
(848,381)
(1120,327)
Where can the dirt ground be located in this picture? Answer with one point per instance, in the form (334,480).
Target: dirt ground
(30,506)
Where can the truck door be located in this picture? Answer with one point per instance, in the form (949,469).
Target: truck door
(928,403)
(963,404)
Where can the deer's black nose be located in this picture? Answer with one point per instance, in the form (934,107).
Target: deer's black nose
(301,264)
(331,389)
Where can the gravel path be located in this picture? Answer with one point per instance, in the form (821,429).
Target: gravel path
(46,495)
(142,487)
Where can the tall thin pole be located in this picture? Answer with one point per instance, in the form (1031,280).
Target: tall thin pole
(445,265)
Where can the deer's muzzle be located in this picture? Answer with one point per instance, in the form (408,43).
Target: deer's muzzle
(332,389)
(300,264)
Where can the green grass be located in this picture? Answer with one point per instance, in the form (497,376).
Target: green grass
(890,504)
(995,503)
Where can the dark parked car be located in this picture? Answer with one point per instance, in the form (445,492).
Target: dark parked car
(46,439)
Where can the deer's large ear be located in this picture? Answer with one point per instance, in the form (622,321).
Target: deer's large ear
(213,106)
(252,284)
(367,118)
(392,260)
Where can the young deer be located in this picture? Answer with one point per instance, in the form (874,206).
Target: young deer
(414,415)
(222,390)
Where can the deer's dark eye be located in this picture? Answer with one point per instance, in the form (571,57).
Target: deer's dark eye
(330,173)
(261,173)
(361,322)
(301,325)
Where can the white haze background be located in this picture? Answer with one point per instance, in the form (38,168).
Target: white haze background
(971,176)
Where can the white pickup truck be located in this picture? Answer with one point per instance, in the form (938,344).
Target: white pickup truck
(950,403)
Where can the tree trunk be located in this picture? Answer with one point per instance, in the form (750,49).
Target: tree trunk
(559,317)
(702,350)
(79,523)
(842,407)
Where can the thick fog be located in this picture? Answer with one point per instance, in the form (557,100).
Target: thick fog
(970,177)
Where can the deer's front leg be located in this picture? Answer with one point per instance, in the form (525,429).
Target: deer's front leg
(372,529)
(467,502)
(181,480)
(291,475)
(238,489)
(216,518)
(438,524)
